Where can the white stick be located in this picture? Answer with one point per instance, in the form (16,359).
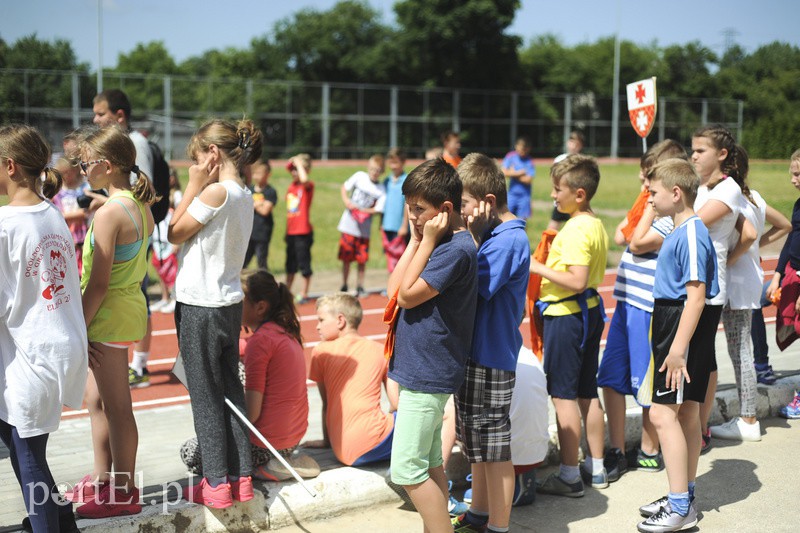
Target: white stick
(644,144)
(274,452)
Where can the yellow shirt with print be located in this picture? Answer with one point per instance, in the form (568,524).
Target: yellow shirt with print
(582,241)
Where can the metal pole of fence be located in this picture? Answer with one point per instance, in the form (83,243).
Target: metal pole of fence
(326,130)
(456,110)
(740,119)
(76,101)
(288,115)
(168,117)
(360,111)
(393,110)
(249,96)
(567,119)
(514,117)
(426,103)
(615,102)
(25,96)
(662,118)
(704,112)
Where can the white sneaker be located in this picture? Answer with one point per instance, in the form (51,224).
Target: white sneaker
(157,306)
(737,429)
(168,307)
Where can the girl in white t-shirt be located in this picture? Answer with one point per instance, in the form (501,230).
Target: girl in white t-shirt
(719,205)
(745,279)
(213,222)
(43,348)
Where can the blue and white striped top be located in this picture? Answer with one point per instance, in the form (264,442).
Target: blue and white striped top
(636,273)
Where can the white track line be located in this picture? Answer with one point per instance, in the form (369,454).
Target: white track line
(143,403)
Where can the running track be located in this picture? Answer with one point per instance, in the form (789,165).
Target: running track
(165,389)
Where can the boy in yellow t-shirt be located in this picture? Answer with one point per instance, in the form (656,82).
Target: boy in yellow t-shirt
(573,318)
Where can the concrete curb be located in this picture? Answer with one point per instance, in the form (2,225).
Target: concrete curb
(346,489)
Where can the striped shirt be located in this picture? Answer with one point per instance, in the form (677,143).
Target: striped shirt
(636,273)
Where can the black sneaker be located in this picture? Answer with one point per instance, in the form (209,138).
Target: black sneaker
(343,288)
(649,463)
(616,464)
(360,292)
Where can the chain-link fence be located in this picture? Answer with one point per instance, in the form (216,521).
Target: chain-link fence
(344,121)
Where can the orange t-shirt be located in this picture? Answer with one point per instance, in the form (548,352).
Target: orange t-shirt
(454,160)
(276,367)
(351,369)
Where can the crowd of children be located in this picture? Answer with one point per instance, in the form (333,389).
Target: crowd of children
(459,261)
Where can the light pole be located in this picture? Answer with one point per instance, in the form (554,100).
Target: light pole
(99,46)
(615,101)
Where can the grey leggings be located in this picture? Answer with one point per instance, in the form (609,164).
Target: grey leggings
(737,324)
(208,338)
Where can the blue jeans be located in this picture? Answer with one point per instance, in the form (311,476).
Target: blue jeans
(758,331)
(29,459)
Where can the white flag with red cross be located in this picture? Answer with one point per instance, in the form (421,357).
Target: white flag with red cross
(642,105)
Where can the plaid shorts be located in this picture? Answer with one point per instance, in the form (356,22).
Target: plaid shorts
(352,248)
(483,404)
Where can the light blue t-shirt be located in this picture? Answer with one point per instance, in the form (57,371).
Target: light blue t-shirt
(434,339)
(686,255)
(395,203)
(514,161)
(503,270)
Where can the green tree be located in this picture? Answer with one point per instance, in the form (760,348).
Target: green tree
(458,43)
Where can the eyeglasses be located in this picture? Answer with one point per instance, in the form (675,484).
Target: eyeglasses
(86,164)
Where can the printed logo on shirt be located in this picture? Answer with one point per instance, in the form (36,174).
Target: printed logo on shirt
(663,393)
(48,264)
(293,203)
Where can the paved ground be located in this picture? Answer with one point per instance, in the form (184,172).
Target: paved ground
(741,487)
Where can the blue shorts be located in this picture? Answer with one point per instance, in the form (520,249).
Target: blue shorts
(571,370)
(381,452)
(520,206)
(627,361)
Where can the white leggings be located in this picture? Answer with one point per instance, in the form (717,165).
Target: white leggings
(737,323)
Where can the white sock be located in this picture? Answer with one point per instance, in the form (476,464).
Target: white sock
(597,465)
(570,474)
(139,361)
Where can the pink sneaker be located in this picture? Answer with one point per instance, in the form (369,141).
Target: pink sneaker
(111,502)
(242,489)
(84,490)
(218,497)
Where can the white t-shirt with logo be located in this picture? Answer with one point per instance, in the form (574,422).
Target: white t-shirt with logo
(43,347)
(723,231)
(364,193)
(745,276)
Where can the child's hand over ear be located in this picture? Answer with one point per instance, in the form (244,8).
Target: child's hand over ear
(436,227)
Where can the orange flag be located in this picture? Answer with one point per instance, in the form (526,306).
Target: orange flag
(635,214)
(534,286)
(390,315)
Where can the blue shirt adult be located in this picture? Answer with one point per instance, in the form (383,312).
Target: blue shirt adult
(395,203)
(790,253)
(504,261)
(519,194)
(687,254)
(434,338)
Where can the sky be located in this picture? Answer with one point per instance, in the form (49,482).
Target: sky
(190,27)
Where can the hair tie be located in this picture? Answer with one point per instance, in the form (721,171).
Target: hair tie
(135,169)
(244,139)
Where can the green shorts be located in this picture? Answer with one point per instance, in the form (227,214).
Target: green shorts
(417,444)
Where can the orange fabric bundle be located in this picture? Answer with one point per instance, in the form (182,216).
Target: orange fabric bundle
(534,286)
(635,214)
(390,316)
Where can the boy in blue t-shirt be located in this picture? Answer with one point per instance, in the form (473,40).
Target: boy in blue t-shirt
(394,224)
(437,291)
(686,275)
(483,402)
(518,167)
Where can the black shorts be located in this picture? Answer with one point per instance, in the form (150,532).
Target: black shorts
(571,370)
(700,361)
(298,253)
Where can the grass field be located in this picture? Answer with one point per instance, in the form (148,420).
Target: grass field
(618,188)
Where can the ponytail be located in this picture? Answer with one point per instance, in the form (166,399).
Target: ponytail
(261,286)
(52,182)
(143,189)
